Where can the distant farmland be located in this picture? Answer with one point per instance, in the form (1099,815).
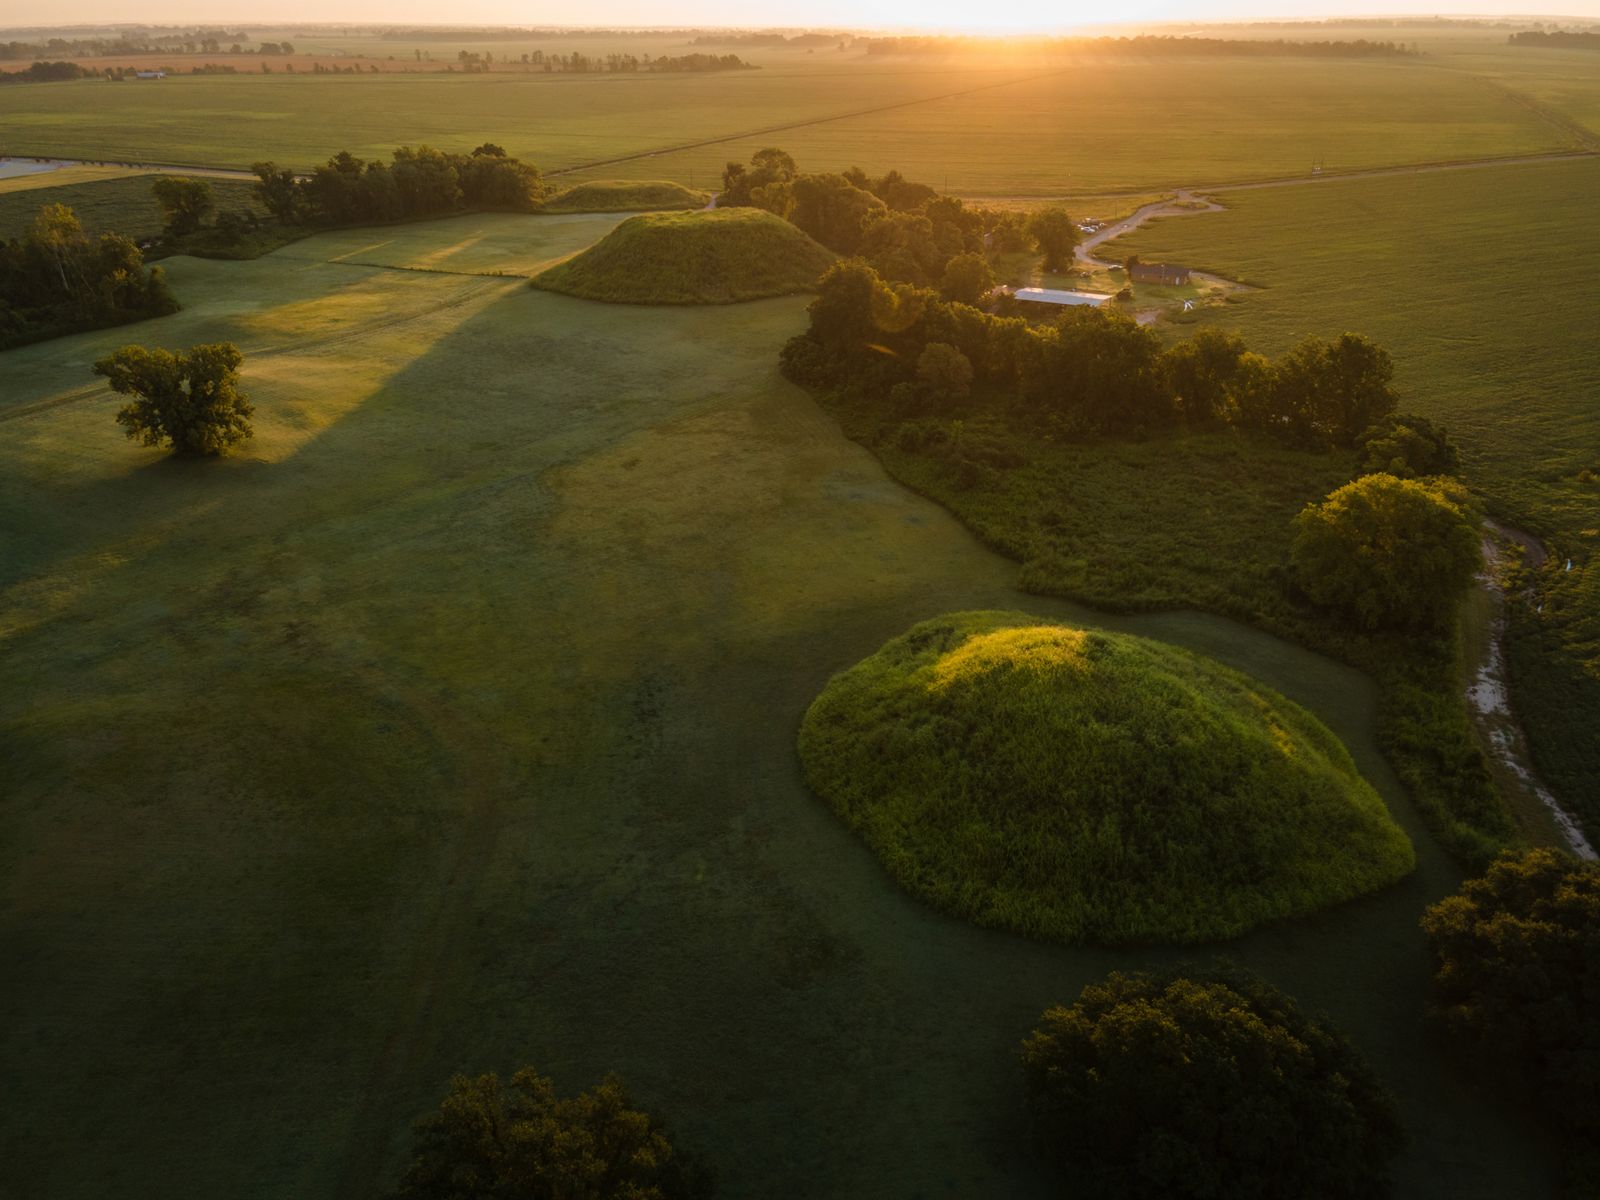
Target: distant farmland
(974,127)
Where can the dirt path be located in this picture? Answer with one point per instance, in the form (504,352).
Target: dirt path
(1184,204)
(1489,691)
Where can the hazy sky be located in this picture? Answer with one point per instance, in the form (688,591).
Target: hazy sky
(1046,15)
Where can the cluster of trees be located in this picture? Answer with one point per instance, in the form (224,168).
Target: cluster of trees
(189,400)
(46,72)
(904,230)
(57,279)
(490,1141)
(1557,39)
(418,182)
(1089,371)
(1516,982)
(1216,1087)
(1145,46)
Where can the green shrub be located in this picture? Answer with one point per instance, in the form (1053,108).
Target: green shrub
(489,1142)
(1208,1088)
(1516,980)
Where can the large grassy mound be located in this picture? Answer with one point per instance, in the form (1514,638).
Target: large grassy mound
(1082,785)
(692,258)
(626,195)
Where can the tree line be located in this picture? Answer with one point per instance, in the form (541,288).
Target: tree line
(1088,372)
(204,41)
(56,279)
(1557,39)
(475,61)
(1145,46)
(417,182)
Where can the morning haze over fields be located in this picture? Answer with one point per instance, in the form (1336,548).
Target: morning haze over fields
(659,602)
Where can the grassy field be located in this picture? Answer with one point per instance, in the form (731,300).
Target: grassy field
(974,127)
(1092,787)
(451,726)
(119,204)
(1482,286)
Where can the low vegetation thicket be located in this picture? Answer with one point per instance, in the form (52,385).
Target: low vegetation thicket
(998,447)
(1214,1086)
(56,279)
(1089,786)
(692,258)
(625,195)
(1516,984)
(489,1141)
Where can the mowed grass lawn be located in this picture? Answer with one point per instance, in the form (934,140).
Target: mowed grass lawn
(1048,129)
(451,726)
(1483,285)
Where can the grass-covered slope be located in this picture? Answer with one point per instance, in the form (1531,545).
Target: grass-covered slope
(692,258)
(1092,786)
(626,195)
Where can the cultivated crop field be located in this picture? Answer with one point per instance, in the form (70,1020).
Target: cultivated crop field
(1482,283)
(451,726)
(976,127)
(105,201)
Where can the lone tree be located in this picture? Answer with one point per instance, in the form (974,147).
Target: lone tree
(1516,978)
(1210,1088)
(190,399)
(1389,553)
(185,203)
(1056,235)
(489,1142)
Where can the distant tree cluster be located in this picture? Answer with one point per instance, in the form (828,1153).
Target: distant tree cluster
(474,62)
(57,279)
(419,182)
(1144,46)
(1557,39)
(1089,371)
(47,72)
(490,1141)
(176,41)
(1216,1087)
